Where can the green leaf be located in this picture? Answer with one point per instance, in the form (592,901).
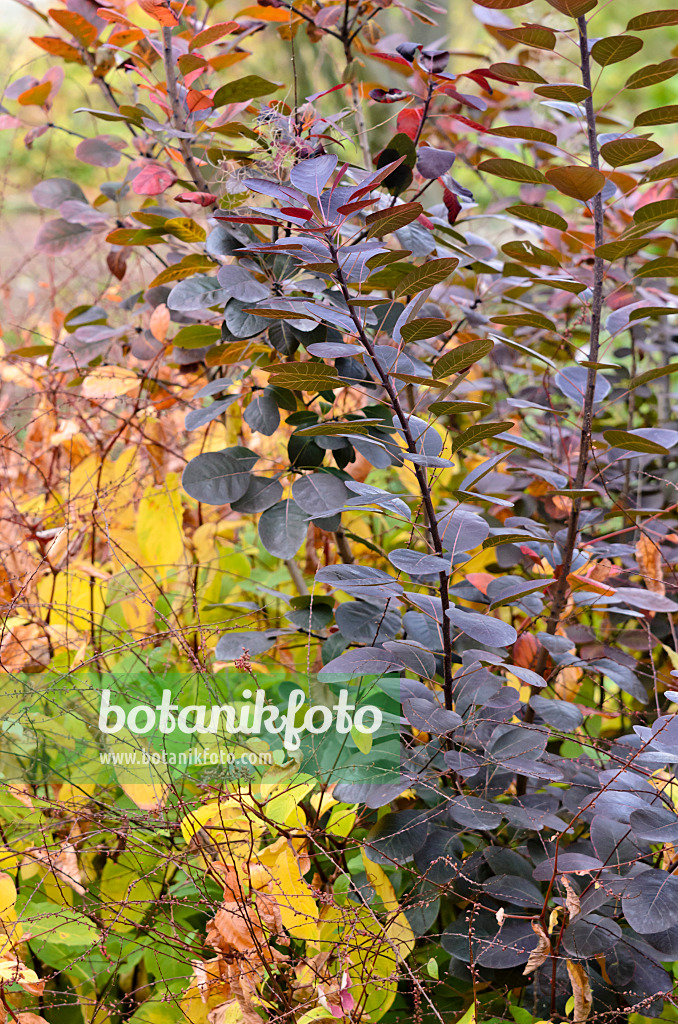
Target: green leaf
(666,169)
(537,320)
(383,259)
(456,408)
(620,152)
(304,376)
(537,36)
(539,215)
(517,131)
(652,19)
(401,149)
(576,181)
(383,222)
(652,311)
(511,170)
(652,74)
(517,73)
(569,93)
(60,927)
(426,276)
(388,277)
(532,255)
(478,432)
(664,266)
(340,429)
(461,357)
(654,374)
(615,49)
(633,442)
(618,250)
(197,336)
(251,87)
(654,213)
(412,378)
(426,327)
(527,351)
(658,115)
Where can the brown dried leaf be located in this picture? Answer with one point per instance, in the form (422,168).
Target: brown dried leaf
(568,682)
(572,899)
(540,954)
(650,563)
(581,990)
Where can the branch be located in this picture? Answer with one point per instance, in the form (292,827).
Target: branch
(177,119)
(343,546)
(296,577)
(420,473)
(560,591)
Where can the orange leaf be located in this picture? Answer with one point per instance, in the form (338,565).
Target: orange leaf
(159,322)
(36,96)
(58,48)
(278,14)
(159,10)
(211,34)
(79,27)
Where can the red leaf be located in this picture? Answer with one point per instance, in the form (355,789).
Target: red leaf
(409,120)
(201,198)
(153,179)
(453,206)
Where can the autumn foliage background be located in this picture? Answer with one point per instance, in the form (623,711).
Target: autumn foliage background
(338,347)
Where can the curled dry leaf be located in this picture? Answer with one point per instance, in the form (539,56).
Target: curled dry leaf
(572,898)
(568,682)
(540,954)
(581,990)
(650,563)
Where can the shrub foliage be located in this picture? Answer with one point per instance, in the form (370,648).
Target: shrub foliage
(377,395)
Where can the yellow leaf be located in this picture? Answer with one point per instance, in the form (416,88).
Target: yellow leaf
(317,1013)
(399,930)
(298,910)
(341,821)
(147,796)
(363,741)
(224,824)
(109,382)
(379,881)
(7,897)
(159,528)
(470,1015)
(14,971)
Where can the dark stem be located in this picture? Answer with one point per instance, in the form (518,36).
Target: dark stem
(420,473)
(424,114)
(560,591)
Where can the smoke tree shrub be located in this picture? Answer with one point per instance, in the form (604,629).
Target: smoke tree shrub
(436,355)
